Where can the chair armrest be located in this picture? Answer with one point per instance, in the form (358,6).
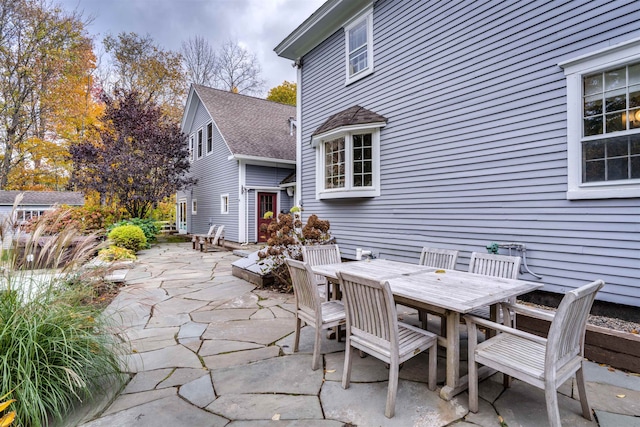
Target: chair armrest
(506,329)
(530,311)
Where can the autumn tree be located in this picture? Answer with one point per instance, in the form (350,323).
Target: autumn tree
(284,94)
(238,70)
(139,64)
(199,60)
(38,45)
(142,156)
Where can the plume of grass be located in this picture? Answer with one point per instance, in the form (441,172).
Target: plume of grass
(54,349)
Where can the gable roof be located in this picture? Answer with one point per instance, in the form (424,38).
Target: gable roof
(43,198)
(250,126)
(352,116)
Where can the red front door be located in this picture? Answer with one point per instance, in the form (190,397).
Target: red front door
(267,202)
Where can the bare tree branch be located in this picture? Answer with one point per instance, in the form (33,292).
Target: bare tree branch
(238,70)
(199,61)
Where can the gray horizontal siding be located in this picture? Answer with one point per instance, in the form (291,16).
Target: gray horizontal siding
(475,146)
(216,176)
(266,176)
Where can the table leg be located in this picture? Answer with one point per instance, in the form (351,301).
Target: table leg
(453,356)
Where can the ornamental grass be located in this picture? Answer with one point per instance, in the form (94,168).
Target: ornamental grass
(54,350)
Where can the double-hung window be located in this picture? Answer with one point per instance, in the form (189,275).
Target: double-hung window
(191,147)
(224,203)
(359,46)
(200,143)
(209,138)
(603,123)
(348,164)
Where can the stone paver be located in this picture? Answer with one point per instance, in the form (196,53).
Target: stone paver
(208,349)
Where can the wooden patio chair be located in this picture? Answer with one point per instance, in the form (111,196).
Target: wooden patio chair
(507,267)
(437,258)
(373,328)
(198,238)
(322,254)
(310,308)
(545,363)
(212,242)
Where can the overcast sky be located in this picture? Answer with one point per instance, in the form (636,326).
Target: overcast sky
(259,25)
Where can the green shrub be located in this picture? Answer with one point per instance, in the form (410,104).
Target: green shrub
(128,236)
(54,349)
(53,353)
(115,253)
(148,226)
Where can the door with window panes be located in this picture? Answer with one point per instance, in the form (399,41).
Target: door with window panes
(267,202)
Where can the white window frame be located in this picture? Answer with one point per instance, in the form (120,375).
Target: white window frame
(194,206)
(224,203)
(575,69)
(365,15)
(348,191)
(209,147)
(200,143)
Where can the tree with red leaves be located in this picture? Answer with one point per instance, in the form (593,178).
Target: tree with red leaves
(141,158)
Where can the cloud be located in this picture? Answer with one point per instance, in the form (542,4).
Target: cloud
(259,25)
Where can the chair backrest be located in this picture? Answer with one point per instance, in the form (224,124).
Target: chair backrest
(439,258)
(504,266)
(218,235)
(370,310)
(304,289)
(211,230)
(565,340)
(321,254)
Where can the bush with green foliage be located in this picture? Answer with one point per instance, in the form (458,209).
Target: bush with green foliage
(128,236)
(55,350)
(116,253)
(149,227)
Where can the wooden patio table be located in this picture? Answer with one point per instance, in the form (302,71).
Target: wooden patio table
(449,292)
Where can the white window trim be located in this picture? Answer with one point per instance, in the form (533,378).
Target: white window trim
(194,206)
(200,134)
(575,69)
(223,205)
(206,142)
(348,191)
(192,139)
(367,15)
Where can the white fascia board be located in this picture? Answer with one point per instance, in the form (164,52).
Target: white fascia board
(315,140)
(321,24)
(188,110)
(263,161)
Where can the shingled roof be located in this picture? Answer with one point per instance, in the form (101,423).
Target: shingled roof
(355,115)
(251,126)
(43,198)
